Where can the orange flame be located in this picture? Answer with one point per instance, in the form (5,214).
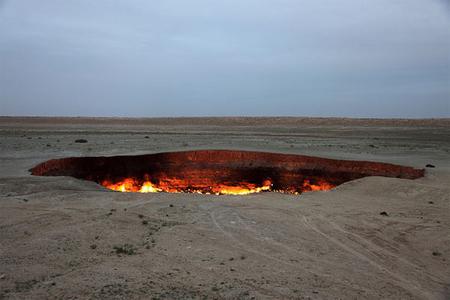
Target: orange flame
(131,185)
(172,185)
(320,185)
(243,189)
(134,185)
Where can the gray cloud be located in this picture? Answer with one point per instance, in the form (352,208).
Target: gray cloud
(257,57)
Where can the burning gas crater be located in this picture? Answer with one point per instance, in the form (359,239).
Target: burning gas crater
(220,172)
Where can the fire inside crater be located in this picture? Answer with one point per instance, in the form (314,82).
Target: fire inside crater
(221,172)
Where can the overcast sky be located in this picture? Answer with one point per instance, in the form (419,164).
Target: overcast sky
(356,58)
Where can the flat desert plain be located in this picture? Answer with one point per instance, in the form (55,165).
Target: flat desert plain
(372,238)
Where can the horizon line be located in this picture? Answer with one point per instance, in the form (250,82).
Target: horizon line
(223,117)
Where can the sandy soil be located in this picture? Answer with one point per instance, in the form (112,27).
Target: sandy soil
(60,237)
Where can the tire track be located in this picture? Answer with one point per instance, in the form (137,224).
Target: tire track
(401,281)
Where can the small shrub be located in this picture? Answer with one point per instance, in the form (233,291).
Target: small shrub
(127,249)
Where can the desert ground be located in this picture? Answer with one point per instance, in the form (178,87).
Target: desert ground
(372,238)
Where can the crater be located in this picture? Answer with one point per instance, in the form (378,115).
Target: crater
(219,172)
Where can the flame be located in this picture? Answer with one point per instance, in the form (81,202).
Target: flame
(131,185)
(319,185)
(243,189)
(174,185)
(148,187)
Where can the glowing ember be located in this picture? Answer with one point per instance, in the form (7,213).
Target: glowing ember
(179,186)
